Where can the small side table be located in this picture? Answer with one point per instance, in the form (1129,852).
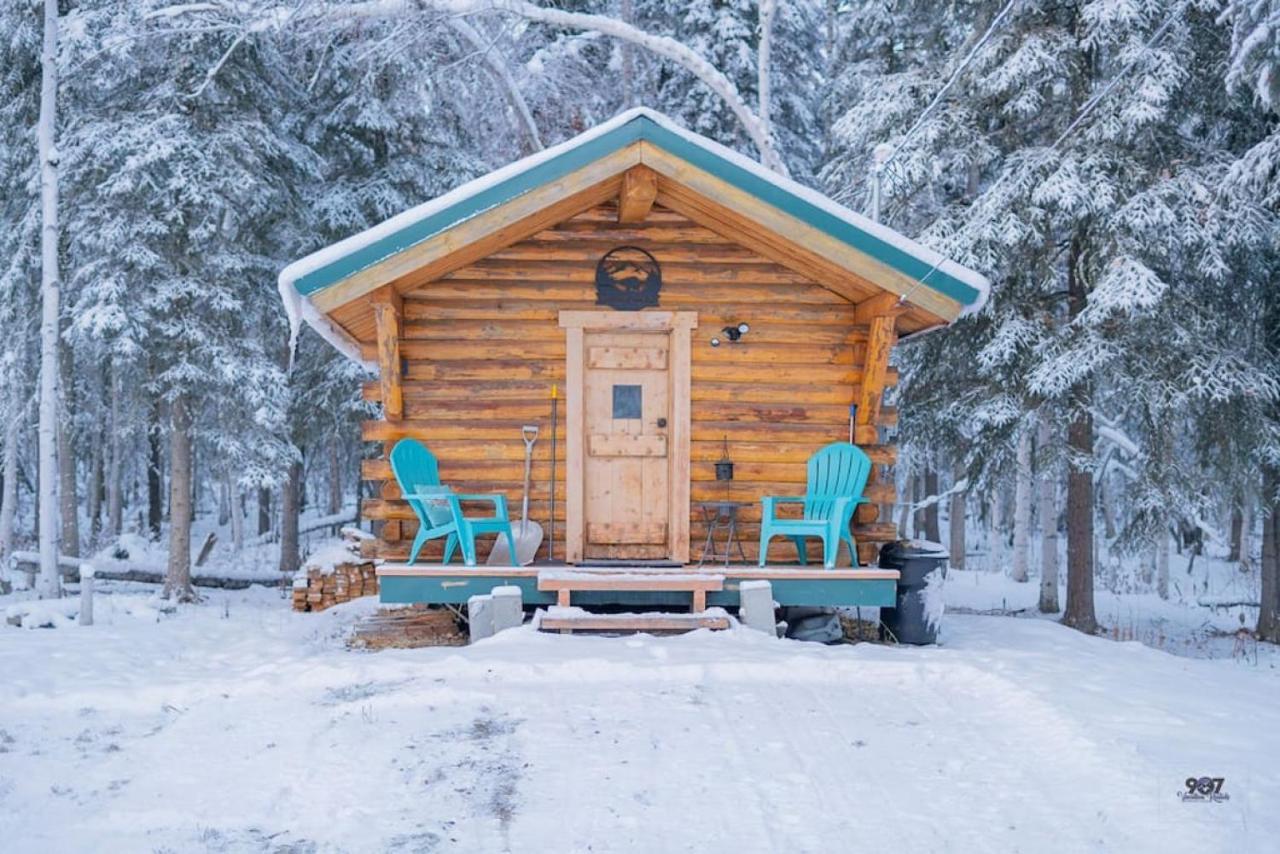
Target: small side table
(717,515)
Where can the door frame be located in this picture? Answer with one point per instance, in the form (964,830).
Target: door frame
(679,325)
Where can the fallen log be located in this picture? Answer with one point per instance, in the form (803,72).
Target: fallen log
(114,570)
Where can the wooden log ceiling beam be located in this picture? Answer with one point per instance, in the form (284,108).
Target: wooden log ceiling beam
(885,304)
(638,192)
(388,308)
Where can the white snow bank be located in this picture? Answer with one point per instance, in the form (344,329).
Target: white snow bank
(1019,735)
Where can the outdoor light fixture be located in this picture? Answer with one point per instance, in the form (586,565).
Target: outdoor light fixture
(724,468)
(732,332)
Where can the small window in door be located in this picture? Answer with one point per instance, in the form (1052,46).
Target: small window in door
(626,401)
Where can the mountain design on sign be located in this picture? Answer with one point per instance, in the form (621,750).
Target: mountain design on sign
(628,278)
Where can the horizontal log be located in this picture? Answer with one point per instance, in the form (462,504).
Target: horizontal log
(508,429)
(781,550)
(453,452)
(702,351)
(513,331)
(679,231)
(427,305)
(530,411)
(590,252)
(552,371)
(415,391)
(585,271)
(751,479)
(675,294)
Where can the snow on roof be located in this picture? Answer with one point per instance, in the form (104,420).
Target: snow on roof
(302,279)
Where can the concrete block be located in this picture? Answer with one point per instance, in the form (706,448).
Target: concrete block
(508,607)
(480,617)
(756,605)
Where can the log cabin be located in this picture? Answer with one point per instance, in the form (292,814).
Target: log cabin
(686,306)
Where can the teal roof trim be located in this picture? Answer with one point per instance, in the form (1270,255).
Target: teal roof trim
(577,155)
(490,197)
(810,214)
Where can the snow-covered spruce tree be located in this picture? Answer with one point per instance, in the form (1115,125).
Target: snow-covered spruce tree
(727,34)
(1062,204)
(1254,68)
(390,133)
(181,206)
(19,252)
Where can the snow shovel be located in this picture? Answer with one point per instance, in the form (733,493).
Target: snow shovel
(528,534)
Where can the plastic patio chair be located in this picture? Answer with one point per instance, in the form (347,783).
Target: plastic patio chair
(439,509)
(837,475)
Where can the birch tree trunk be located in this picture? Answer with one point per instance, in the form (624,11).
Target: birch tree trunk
(956,520)
(289,510)
(1269,613)
(1022,509)
(49,584)
(177,581)
(9,494)
(1048,511)
(764,60)
(627,13)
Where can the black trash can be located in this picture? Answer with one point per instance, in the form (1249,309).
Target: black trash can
(918,614)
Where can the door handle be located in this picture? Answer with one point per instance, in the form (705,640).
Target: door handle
(662,422)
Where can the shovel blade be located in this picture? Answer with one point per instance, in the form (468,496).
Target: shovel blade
(528,539)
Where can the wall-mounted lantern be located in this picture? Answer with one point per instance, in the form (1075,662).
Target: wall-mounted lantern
(733,332)
(724,468)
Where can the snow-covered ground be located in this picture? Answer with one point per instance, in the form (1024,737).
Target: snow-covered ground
(237,725)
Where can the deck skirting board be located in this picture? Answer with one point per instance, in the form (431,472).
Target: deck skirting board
(401,585)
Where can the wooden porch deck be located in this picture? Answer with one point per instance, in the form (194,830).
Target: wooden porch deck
(402,584)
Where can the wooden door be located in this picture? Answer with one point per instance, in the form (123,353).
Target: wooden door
(626,474)
(627,435)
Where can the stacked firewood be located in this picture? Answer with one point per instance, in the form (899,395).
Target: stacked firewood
(334,575)
(407,628)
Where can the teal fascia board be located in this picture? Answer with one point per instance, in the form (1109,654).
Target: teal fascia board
(456,589)
(576,157)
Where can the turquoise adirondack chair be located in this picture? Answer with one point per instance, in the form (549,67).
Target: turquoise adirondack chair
(439,509)
(837,475)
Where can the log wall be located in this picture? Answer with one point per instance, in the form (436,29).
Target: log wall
(482,347)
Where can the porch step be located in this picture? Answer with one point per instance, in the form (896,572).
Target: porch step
(568,620)
(564,582)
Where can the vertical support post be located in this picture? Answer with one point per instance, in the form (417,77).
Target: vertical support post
(388,308)
(574,426)
(86,594)
(880,340)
